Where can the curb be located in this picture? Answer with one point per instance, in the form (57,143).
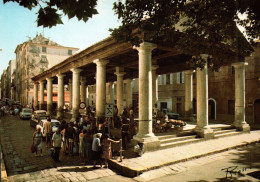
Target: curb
(130,172)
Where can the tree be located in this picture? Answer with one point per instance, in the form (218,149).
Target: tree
(192,26)
(48,13)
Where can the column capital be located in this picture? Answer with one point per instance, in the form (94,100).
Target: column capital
(155,67)
(101,62)
(50,79)
(189,72)
(60,75)
(240,65)
(35,83)
(83,79)
(76,70)
(145,46)
(42,81)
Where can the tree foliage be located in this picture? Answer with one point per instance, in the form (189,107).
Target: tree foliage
(49,10)
(192,26)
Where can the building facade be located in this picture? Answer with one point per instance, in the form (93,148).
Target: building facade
(34,57)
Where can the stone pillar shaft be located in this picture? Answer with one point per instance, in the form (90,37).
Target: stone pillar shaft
(75,93)
(70,93)
(202,128)
(145,134)
(129,95)
(120,90)
(83,90)
(240,122)
(60,95)
(49,96)
(41,94)
(202,97)
(35,104)
(100,87)
(154,84)
(110,93)
(188,94)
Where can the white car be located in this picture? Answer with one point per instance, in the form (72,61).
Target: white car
(54,123)
(26,113)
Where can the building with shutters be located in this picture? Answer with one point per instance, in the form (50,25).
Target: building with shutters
(32,58)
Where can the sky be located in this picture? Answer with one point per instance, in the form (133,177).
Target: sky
(17,24)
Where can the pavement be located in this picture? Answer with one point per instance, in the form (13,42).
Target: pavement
(152,160)
(21,165)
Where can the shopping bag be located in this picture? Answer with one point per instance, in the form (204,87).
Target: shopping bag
(33,148)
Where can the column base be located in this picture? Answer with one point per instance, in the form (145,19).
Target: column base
(150,142)
(242,126)
(206,132)
(75,114)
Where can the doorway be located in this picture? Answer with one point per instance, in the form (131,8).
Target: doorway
(257,111)
(212,109)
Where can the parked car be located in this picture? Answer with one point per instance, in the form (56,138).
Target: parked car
(171,115)
(26,113)
(37,116)
(54,123)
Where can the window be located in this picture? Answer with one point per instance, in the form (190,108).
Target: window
(44,49)
(69,52)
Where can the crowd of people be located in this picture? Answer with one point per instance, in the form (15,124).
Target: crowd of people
(86,137)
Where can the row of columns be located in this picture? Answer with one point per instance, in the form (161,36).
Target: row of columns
(147,95)
(202,127)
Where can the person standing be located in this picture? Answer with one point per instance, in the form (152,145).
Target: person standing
(106,147)
(37,141)
(70,134)
(56,138)
(47,129)
(96,149)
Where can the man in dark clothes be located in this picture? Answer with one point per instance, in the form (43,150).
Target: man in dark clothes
(70,134)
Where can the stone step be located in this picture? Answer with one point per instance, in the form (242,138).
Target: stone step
(229,127)
(176,139)
(179,143)
(220,135)
(224,131)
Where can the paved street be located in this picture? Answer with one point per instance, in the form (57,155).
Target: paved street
(16,138)
(21,165)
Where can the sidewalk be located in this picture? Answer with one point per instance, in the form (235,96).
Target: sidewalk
(152,160)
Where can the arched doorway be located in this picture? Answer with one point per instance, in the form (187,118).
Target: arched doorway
(212,109)
(257,111)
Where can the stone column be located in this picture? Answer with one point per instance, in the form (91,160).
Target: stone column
(154,85)
(129,95)
(60,95)
(75,92)
(49,96)
(70,93)
(120,89)
(87,98)
(42,94)
(100,87)
(145,134)
(35,96)
(202,128)
(240,122)
(188,95)
(110,98)
(83,90)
